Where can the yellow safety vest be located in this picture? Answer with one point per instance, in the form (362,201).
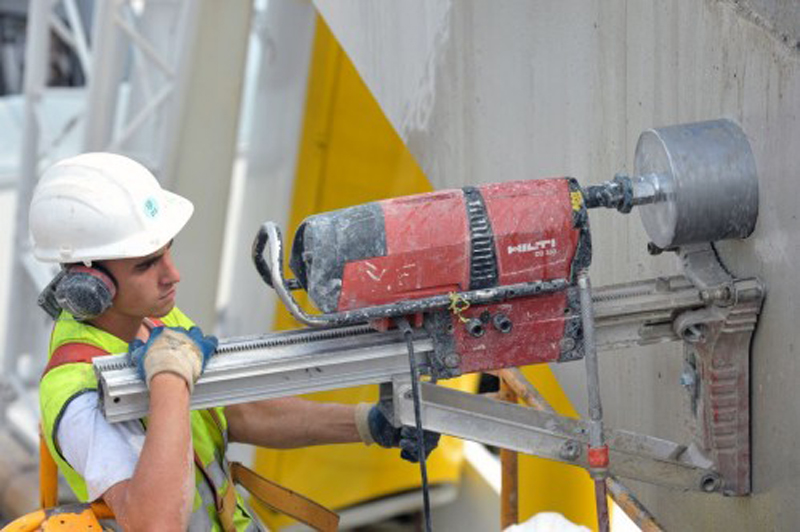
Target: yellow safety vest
(213,485)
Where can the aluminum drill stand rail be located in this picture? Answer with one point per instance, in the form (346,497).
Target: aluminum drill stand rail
(273,365)
(302,361)
(290,363)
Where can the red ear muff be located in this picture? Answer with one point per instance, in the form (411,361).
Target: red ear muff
(85,292)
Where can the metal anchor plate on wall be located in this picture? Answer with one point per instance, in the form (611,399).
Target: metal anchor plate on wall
(716,373)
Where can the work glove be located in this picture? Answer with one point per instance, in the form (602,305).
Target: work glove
(374,427)
(174,350)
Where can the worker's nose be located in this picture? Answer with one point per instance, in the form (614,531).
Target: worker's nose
(170,273)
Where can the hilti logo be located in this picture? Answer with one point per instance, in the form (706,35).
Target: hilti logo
(539,248)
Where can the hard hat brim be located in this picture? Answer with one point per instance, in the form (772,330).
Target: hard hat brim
(177,211)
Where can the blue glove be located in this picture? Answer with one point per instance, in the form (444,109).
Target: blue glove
(386,435)
(174,350)
(207,343)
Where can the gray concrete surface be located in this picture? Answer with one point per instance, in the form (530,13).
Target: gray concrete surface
(485,91)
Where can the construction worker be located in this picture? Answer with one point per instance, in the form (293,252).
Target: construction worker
(110,225)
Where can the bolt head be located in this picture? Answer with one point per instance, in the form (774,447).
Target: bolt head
(452,360)
(570,450)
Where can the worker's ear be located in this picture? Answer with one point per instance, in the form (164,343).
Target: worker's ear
(85,292)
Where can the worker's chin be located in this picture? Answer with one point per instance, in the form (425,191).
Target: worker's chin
(163,310)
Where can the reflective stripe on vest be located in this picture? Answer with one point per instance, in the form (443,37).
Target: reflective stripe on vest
(201,518)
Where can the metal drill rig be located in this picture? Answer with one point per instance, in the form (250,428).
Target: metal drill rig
(497,276)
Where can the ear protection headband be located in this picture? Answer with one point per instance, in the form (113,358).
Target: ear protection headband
(85,292)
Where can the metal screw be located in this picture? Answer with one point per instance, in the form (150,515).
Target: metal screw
(452,360)
(570,450)
(567,344)
(722,295)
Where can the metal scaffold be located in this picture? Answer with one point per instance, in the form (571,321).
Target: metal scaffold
(133,56)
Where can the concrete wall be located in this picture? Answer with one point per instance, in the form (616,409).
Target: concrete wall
(485,91)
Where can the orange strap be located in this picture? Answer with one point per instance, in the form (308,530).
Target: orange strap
(76,352)
(48,476)
(274,495)
(71,353)
(285,500)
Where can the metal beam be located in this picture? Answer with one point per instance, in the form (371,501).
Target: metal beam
(552,436)
(125,396)
(274,365)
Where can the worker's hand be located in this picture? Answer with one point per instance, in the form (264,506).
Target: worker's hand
(374,427)
(174,350)
(409,446)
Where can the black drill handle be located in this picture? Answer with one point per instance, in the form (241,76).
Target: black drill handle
(263,269)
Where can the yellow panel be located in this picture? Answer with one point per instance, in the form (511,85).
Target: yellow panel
(349,154)
(550,486)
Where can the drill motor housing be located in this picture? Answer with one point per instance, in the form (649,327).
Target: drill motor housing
(456,241)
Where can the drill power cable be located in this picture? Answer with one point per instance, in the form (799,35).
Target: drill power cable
(405,327)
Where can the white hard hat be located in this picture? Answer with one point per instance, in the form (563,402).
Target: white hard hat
(100,206)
